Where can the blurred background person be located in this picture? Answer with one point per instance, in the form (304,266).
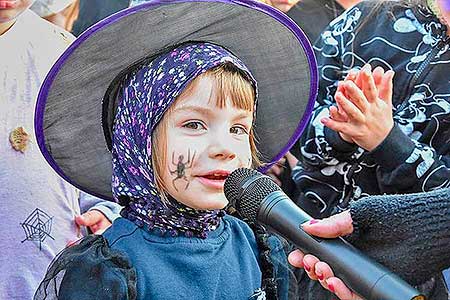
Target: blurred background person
(75,16)
(92,11)
(41,213)
(342,160)
(312,15)
(60,12)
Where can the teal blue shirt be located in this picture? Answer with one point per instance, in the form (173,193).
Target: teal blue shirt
(129,262)
(222,266)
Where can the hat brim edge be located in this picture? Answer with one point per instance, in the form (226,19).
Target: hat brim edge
(264,8)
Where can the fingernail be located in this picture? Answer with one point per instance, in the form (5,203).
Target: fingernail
(307,268)
(319,275)
(299,263)
(312,222)
(330,287)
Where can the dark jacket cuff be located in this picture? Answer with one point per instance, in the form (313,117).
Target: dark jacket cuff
(394,150)
(357,222)
(334,139)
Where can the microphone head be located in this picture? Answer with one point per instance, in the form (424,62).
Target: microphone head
(245,189)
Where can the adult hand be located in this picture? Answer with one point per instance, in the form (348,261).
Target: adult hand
(94,220)
(334,226)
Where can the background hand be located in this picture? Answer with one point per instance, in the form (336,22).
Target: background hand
(94,220)
(368,110)
(276,170)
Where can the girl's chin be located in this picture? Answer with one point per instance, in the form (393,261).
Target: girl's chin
(212,206)
(200,197)
(206,204)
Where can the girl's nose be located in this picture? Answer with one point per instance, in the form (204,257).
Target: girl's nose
(221,149)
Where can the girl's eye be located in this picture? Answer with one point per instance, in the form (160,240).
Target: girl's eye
(194,125)
(239,130)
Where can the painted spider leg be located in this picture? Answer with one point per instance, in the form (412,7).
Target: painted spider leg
(189,159)
(188,182)
(173,163)
(173,183)
(181,167)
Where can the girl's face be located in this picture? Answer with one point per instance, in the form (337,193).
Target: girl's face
(205,144)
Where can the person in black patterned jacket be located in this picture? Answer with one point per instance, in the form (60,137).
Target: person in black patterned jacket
(411,38)
(414,156)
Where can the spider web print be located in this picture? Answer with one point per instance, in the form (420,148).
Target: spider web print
(37,227)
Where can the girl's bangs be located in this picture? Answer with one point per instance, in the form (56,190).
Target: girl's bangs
(231,83)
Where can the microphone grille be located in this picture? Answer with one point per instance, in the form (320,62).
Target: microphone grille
(245,189)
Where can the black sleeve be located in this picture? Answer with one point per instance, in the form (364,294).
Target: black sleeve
(408,166)
(410,234)
(89,270)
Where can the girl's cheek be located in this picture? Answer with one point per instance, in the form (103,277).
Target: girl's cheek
(246,160)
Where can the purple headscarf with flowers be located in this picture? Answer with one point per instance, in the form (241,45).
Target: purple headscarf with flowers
(145,96)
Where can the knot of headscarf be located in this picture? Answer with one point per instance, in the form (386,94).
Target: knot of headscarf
(145,96)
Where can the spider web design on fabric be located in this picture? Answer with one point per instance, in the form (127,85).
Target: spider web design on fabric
(37,227)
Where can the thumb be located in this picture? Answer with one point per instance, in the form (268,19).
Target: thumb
(387,87)
(334,226)
(88,218)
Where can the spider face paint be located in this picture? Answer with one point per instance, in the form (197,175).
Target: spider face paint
(217,140)
(181,165)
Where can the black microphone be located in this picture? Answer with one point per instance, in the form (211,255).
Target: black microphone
(257,198)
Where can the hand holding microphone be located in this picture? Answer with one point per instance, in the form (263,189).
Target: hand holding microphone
(335,226)
(257,198)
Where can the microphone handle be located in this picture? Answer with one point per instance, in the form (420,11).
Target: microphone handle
(363,275)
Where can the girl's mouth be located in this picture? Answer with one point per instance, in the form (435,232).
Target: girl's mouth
(216,176)
(215,180)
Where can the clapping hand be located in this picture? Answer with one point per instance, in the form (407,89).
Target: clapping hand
(363,114)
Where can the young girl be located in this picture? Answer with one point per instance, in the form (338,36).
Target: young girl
(177,122)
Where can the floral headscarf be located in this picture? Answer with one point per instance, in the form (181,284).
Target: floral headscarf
(145,96)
